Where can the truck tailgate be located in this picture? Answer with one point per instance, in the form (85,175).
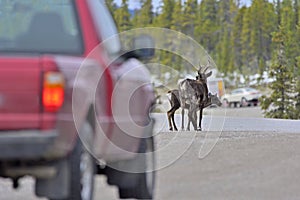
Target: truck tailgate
(20,89)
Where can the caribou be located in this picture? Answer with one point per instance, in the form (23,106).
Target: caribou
(175,105)
(195,94)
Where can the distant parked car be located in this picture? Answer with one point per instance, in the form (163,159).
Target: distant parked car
(241,97)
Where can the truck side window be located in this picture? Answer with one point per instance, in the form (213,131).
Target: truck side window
(106,28)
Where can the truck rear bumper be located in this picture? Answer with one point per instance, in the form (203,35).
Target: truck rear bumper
(25,145)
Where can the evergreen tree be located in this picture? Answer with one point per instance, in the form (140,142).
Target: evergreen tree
(144,17)
(297,96)
(262,24)
(225,51)
(288,22)
(176,24)
(111,5)
(245,38)
(122,17)
(207,29)
(297,14)
(176,16)
(278,13)
(281,102)
(164,20)
(297,59)
(237,39)
(189,17)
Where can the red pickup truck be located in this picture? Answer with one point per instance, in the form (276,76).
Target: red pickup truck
(73,102)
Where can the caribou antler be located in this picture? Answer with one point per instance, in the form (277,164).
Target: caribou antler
(200,67)
(207,66)
(203,69)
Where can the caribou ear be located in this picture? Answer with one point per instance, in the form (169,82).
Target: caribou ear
(208,74)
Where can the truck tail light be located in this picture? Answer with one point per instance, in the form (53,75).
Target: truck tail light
(53,91)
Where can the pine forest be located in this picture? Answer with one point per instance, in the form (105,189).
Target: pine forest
(263,37)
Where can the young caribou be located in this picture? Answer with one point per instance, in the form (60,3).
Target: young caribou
(175,105)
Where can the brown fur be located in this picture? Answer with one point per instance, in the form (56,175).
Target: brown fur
(175,105)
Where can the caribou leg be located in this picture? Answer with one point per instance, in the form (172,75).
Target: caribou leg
(192,117)
(189,119)
(200,119)
(195,118)
(182,114)
(189,122)
(182,119)
(171,120)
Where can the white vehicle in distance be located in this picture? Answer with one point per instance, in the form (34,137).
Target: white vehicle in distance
(241,97)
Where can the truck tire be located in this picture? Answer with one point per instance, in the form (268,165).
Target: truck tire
(146,180)
(82,170)
(82,174)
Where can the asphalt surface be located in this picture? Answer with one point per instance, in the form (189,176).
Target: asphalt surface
(245,165)
(234,120)
(239,155)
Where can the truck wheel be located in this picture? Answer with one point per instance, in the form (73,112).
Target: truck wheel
(82,170)
(82,174)
(145,186)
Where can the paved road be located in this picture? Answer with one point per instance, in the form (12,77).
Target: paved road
(248,165)
(240,119)
(253,158)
